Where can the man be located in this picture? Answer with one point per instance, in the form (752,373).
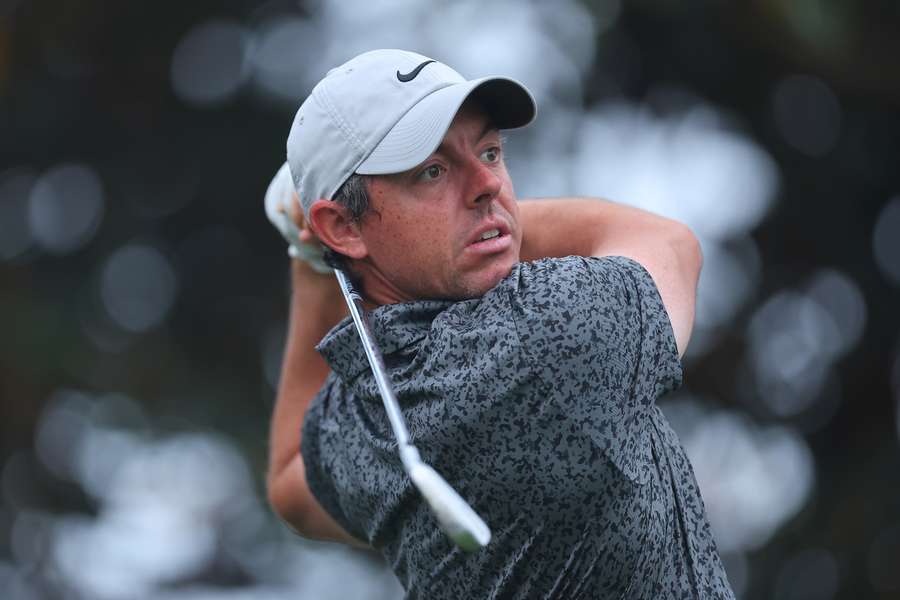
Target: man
(528,380)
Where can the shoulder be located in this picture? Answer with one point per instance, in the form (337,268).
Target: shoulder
(575,280)
(580,307)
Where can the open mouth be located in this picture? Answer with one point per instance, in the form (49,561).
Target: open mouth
(489,235)
(490,241)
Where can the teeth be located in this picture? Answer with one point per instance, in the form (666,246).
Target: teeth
(490,234)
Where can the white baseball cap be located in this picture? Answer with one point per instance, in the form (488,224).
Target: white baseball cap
(386,111)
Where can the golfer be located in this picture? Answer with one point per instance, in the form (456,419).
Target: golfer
(527,342)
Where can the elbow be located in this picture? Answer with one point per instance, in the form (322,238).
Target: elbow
(288,502)
(687,249)
(278,500)
(688,256)
(293,502)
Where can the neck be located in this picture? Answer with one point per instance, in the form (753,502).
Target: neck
(373,286)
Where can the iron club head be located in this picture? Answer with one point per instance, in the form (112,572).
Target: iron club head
(458,520)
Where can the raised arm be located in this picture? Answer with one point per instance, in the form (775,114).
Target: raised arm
(590,227)
(316,306)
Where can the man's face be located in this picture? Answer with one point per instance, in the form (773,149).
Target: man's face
(447,229)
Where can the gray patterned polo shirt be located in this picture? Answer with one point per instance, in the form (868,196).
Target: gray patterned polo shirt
(537,403)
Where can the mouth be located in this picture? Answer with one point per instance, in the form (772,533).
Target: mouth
(490,239)
(489,235)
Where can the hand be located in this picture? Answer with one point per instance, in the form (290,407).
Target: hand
(303,244)
(295,213)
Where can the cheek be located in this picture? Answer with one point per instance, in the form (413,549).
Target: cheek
(509,201)
(411,237)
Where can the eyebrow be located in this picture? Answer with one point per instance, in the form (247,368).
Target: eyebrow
(488,128)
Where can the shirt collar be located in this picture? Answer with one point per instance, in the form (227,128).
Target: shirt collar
(394,327)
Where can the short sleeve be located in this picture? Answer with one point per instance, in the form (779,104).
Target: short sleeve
(316,459)
(597,332)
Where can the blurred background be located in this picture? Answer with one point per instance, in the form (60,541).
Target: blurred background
(143,296)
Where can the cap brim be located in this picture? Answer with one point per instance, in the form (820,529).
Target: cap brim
(420,131)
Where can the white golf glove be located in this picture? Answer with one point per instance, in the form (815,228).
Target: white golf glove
(278,205)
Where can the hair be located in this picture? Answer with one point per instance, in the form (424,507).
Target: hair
(355,197)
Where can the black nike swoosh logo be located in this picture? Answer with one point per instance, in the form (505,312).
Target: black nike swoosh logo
(404,77)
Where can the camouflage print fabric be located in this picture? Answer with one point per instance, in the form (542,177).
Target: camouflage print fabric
(537,402)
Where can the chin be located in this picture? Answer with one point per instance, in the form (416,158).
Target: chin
(488,279)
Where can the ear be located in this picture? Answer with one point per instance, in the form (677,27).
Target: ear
(333,226)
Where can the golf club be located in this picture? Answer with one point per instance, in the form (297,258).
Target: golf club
(458,520)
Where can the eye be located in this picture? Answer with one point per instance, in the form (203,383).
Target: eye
(431,172)
(491,155)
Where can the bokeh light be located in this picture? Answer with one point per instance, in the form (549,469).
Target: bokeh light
(807,114)
(60,429)
(65,208)
(170,508)
(796,337)
(626,153)
(729,279)
(754,478)
(15,235)
(843,300)
(285,58)
(138,287)
(886,241)
(209,64)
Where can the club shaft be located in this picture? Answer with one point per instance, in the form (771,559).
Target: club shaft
(455,516)
(354,303)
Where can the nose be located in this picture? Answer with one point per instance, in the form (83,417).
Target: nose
(484,184)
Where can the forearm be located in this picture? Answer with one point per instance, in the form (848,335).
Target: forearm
(558,227)
(668,250)
(316,306)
